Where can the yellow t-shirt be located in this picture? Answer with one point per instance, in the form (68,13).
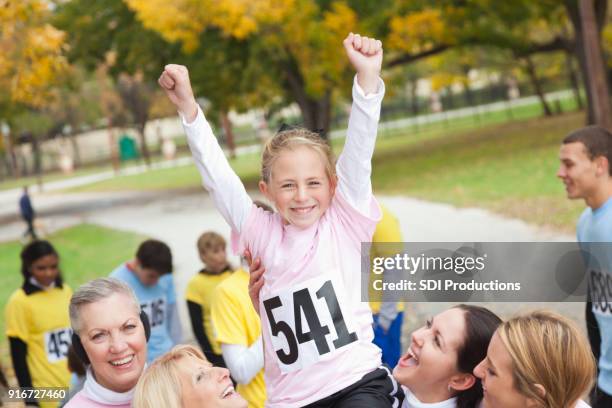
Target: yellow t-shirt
(200,290)
(41,321)
(237,322)
(387,230)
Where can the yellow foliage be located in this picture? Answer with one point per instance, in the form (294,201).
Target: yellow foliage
(417,32)
(32,59)
(607,41)
(313,37)
(316,43)
(441,80)
(177,21)
(184,20)
(241,18)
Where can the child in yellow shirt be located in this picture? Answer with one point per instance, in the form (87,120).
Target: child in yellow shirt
(200,290)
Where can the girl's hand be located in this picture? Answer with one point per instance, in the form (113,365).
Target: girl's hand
(256,278)
(365,55)
(175,82)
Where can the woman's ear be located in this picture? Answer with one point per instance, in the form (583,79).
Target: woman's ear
(462,381)
(531,403)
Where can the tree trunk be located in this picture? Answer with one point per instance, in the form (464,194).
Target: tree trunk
(573,12)
(450,98)
(414,98)
(537,85)
(468,94)
(573,78)
(143,144)
(11,161)
(600,94)
(75,148)
(112,144)
(37,165)
(315,111)
(226,123)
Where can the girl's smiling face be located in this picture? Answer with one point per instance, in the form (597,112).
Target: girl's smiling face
(299,186)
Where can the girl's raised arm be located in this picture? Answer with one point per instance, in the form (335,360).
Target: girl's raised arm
(226,189)
(354,166)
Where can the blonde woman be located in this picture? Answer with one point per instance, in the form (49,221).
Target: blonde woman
(183,378)
(538,360)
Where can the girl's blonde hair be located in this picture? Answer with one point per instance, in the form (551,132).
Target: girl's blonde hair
(548,349)
(291,139)
(160,385)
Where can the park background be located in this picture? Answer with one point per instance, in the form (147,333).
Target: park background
(479,95)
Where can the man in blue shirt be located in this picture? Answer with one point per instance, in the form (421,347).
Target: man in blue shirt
(586,158)
(150,276)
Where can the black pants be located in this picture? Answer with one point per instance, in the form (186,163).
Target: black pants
(601,400)
(594,339)
(30,231)
(377,389)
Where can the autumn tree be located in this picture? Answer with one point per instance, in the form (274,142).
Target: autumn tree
(524,27)
(105,34)
(32,62)
(297,43)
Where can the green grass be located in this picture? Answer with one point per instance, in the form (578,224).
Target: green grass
(182,177)
(86,252)
(508,168)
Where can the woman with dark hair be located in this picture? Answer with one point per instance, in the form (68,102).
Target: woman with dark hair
(436,370)
(37,323)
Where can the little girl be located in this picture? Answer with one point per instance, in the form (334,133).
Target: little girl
(317,333)
(37,323)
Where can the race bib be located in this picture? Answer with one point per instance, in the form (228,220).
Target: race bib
(308,323)
(600,287)
(57,343)
(156,311)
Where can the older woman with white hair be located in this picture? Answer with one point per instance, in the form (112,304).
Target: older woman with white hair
(110,336)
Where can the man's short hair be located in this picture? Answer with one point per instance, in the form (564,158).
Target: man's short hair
(210,240)
(156,255)
(597,141)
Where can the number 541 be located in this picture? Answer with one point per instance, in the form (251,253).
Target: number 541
(302,302)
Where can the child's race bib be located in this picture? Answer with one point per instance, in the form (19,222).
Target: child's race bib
(56,344)
(309,322)
(155,310)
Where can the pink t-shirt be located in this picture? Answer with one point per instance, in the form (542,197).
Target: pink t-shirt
(316,273)
(311,274)
(80,400)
